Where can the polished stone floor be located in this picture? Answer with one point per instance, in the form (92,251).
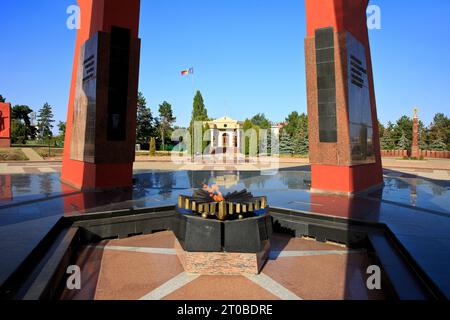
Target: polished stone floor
(297,269)
(417,209)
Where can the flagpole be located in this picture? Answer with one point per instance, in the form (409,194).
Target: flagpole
(193,81)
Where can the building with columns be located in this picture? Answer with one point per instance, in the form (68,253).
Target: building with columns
(226,135)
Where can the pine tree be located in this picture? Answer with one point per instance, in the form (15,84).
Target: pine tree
(403,127)
(261,121)
(386,141)
(166,119)
(438,144)
(286,144)
(404,143)
(144,121)
(440,128)
(45,120)
(2,99)
(423,138)
(199,113)
(301,145)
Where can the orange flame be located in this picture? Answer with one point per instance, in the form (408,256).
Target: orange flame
(214,192)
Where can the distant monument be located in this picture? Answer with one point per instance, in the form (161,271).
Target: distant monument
(344,139)
(415,150)
(101,120)
(5,125)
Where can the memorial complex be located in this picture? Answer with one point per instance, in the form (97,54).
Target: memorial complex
(129,229)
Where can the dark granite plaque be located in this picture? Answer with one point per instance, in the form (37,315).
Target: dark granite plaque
(104,129)
(83,128)
(359,106)
(119,68)
(326,84)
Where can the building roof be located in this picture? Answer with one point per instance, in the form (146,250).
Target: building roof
(225,123)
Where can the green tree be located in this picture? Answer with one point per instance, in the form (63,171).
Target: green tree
(62,130)
(2,99)
(144,121)
(21,114)
(386,137)
(18,132)
(152,147)
(403,126)
(247,125)
(301,144)
(424,138)
(166,120)
(199,113)
(440,128)
(296,127)
(404,143)
(292,124)
(386,141)
(261,121)
(45,120)
(381,129)
(296,123)
(438,144)
(286,143)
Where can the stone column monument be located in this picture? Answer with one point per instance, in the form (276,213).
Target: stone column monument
(101,121)
(415,150)
(5,125)
(343,129)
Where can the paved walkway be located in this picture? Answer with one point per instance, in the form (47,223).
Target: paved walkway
(29,167)
(297,269)
(435,169)
(32,155)
(433,164)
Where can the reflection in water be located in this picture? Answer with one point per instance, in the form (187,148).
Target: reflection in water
(196,179)
(419,192)
(166,183)
(45,184)
(5,188)
(413,192)
(155,188)
(22,184)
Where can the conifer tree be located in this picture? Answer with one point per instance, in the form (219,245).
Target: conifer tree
(45,120)
(404,143)
(286,144)
(438,144)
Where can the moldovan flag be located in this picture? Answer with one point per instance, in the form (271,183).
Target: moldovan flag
(187,72)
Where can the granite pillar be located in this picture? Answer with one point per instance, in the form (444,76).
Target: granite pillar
(344,140)
(101,121)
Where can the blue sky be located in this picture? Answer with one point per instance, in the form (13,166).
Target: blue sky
(248,56)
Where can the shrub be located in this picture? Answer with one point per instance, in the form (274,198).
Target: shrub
(152,147)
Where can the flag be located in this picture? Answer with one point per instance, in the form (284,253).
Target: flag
(187,72)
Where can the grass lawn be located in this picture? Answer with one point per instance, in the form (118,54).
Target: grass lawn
(12,154)
(293,156)
(54,152)
(158,153)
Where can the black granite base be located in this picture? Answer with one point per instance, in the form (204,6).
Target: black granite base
(196,234)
